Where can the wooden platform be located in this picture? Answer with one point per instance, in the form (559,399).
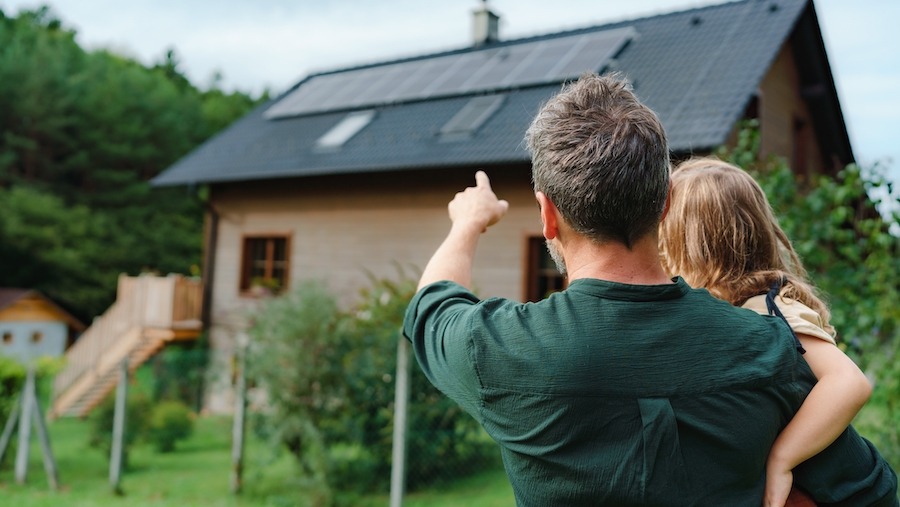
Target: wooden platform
(149,312)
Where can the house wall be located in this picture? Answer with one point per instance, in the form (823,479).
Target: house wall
(17,339)
(343,228)
(781,110)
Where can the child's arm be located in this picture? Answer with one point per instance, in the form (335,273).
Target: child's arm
(840,393)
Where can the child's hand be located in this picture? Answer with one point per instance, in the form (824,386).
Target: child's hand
(778,487)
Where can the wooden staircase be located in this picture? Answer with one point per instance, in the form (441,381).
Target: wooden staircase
(149,312)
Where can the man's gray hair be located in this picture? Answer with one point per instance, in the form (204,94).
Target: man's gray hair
(602,157)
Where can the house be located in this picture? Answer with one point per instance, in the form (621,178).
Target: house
(32,325)
(348,173)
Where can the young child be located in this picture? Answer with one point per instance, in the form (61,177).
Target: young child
(720,234)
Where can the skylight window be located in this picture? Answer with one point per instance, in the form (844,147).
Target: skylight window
(345,129)
(472,116)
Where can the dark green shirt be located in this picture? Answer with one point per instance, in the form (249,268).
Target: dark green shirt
(614,394)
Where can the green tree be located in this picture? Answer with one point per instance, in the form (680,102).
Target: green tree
(36,58)
(90,128)
(54,248)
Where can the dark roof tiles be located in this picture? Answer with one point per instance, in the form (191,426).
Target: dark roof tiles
(697,69)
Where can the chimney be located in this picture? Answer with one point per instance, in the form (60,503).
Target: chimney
(485,26)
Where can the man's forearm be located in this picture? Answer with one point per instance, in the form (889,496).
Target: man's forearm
(453,259)
(472,211)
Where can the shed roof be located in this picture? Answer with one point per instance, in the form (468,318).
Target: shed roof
(698,69)
(9,296)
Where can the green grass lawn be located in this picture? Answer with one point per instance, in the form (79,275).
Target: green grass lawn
(197,474)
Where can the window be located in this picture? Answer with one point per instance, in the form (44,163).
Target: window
(543,278)
(799,157)
(37,336)
(7,338)
(345,129)
(264,265)
(472,116)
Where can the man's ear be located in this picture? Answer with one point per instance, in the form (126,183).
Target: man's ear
(549,215)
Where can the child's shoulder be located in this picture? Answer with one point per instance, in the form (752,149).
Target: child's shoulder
(801,318)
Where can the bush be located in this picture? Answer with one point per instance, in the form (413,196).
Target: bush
(170,422)
(12,378)
(179,372)
(850,253)
(329,377)
(293,360)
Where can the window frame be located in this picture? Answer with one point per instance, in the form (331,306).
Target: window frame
(536,256)
(245,278)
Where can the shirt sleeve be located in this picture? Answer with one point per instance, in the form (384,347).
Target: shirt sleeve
(801,318)
(849,472)
(438,325)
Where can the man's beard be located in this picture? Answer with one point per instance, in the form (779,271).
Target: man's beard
(557,257)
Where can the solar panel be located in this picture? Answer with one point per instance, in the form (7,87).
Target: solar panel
(528,63)
(599,48)
(383,86)
(502,64)
(541,62)
(472,65)
(422,74)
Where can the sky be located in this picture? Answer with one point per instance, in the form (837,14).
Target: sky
(271,44)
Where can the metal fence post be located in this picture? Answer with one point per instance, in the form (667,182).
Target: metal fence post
(44,439)
(401,402)
(25,428)
(118,449)
(239,423)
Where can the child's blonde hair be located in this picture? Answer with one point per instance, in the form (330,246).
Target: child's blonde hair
(720,234)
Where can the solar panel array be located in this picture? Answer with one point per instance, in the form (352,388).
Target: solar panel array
(530,63)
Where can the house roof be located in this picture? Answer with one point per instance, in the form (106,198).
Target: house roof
(9,296)
(698,69)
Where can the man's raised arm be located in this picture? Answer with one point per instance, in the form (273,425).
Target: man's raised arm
(472,211)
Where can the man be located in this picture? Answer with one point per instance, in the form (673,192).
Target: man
(627,388)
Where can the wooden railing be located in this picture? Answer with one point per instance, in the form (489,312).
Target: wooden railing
(147,308)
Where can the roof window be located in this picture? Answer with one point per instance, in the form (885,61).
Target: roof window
(348,127)
(472,116)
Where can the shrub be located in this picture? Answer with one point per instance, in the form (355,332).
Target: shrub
(170,422)
(841,227)
(329,377)
(293,360)
(12,378)
(179,372)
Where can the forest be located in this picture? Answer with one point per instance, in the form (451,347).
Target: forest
(81,134)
